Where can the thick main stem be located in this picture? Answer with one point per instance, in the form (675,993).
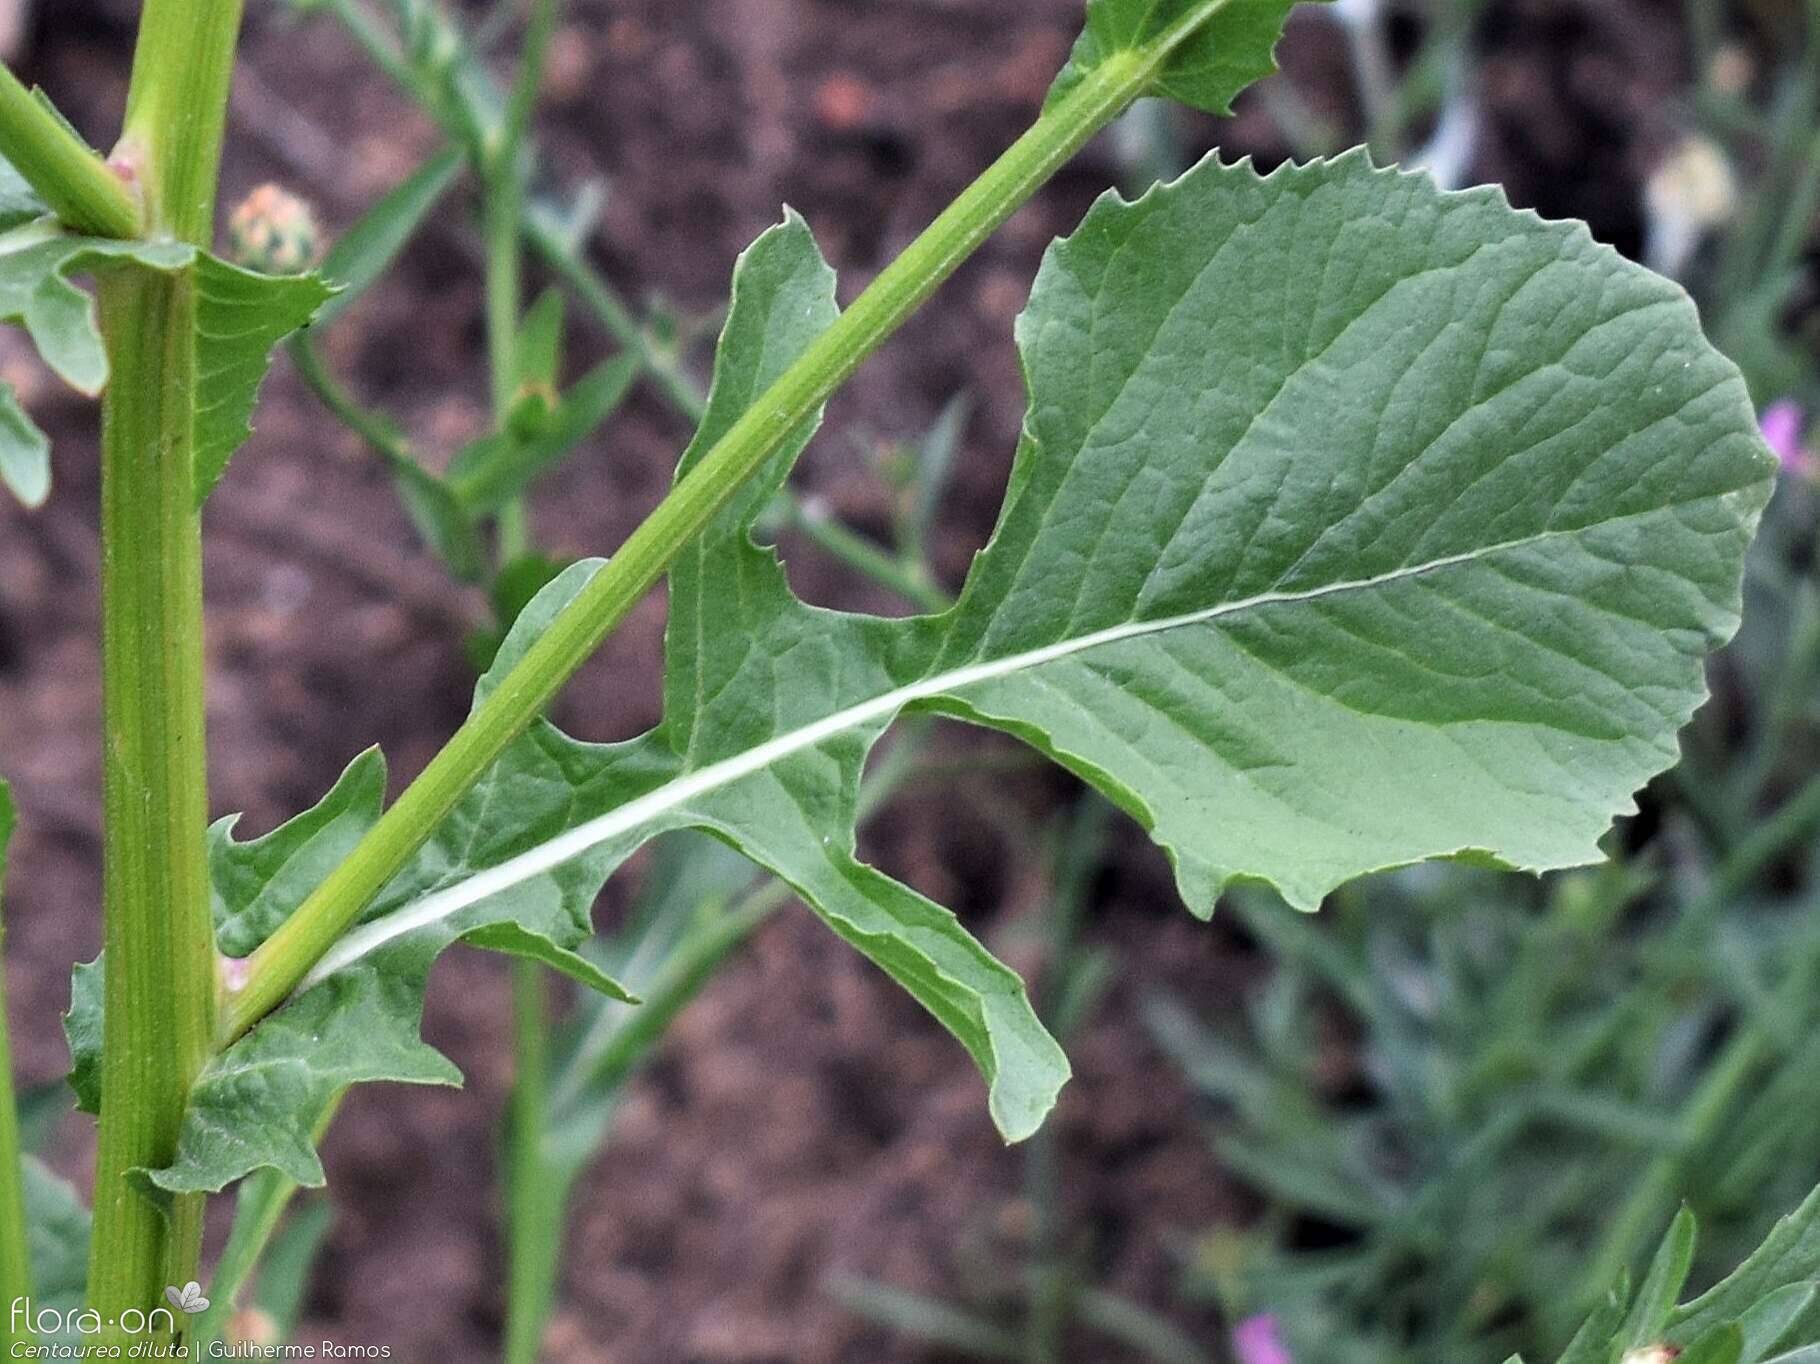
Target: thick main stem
(535,1193)
(160,977)
(282,962)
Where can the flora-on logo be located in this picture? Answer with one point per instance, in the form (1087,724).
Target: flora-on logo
(188,1299)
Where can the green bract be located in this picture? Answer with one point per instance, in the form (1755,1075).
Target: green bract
(1355,524)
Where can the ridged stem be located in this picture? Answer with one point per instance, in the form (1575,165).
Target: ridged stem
(160,976)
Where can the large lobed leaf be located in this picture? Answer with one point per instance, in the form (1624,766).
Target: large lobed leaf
(1355,524)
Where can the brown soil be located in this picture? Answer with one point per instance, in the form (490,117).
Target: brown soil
(804,1120)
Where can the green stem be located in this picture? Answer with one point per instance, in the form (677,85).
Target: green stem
(161,978)
(501,208)
(534,1199)
(377,431)
(282,962)
(503,179)
(176,111)
(68,174)
(15,1266)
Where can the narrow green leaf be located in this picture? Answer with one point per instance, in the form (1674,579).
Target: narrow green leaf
(1768,1323)
(1226,45)
(1662,1286)
(1595,1342)
(25,452)
(539,350)
(927,1319)
(512,940)
(1721,1345)
(498,468)
(367,249)
(259,1206)
(284,1272)
(440,519)
(41,1108)
(1790,1254)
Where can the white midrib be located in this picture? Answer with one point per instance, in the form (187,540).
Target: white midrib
(583,838)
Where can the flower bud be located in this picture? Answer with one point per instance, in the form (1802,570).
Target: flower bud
(275,232)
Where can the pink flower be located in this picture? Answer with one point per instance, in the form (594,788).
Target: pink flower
(1782,424)
(1255,1341)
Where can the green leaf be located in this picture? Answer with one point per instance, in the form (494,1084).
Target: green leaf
(1356,524)
(1595,1342)
(240,317)
(512,940)
(56,1237)
(36,292)
(1790,1254)
(1768,1323)
(1225,45)
(367,249)
(25,453)
(82,1031)
(440,519)
(255,885)
(539,349)
(1662,1287)
(1722,1345)
(19,202)
(42,1108)
(498,468)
